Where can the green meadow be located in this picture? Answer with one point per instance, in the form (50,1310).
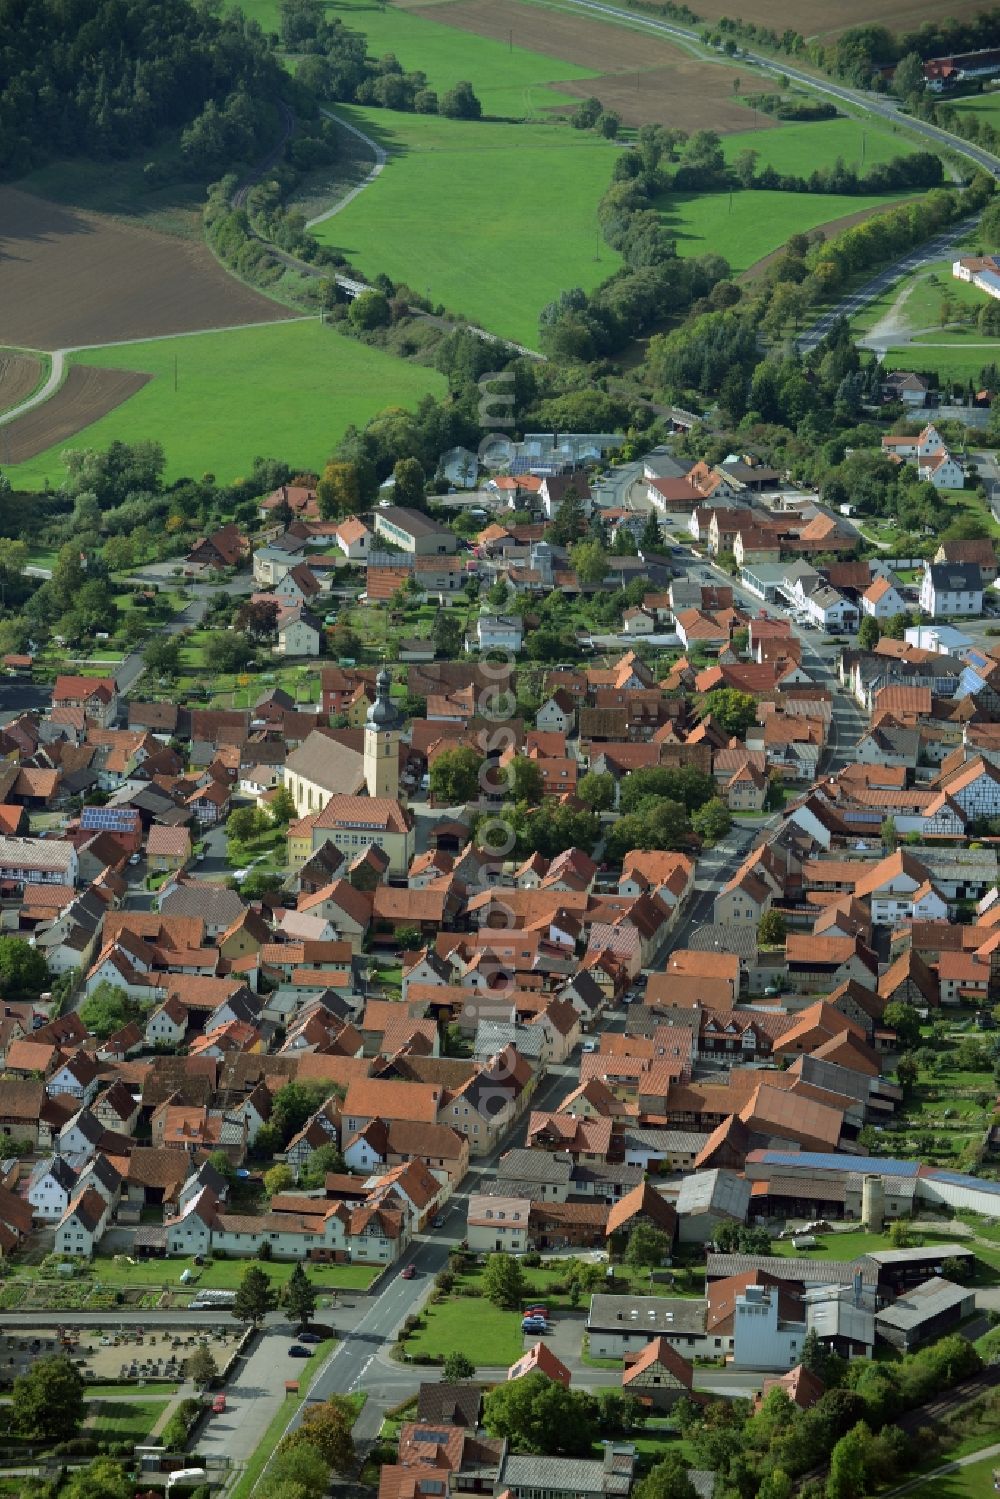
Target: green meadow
(986,106)
(962,362)
(493,220)
(510,80)
(287,390)
(745,226)
(800,148)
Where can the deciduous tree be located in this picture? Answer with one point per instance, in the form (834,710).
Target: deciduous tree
(23,969)
(455,776)
(536,1414)
(647,1247)
(47,1401)
(503,1281)
(201,1366)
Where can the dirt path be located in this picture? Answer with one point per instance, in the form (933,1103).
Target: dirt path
(381,157)
(892,327)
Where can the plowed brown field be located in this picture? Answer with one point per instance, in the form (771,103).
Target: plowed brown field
(84,395)
(813,18)
(19,374)
(69,279)
(646,79)
(674,96)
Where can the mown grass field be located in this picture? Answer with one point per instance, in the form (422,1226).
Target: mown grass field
(745,226)
(492,220)
(225,1275)
(920,296)
(800,148)
(954,358)
(287,390)
(848,1246)
(123,1420)
(986,106)
(510,80)
(972,1482)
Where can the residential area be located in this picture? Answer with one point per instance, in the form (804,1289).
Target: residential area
(581,999)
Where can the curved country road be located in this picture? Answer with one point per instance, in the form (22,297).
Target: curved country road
(879,105)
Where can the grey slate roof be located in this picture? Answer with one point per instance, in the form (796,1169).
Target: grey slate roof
(215,904)
(675,1141)
(811,1272)
(923,1303)
(568,1475)
(716,1191)
(534,1165)
(653,1314)
(956,577)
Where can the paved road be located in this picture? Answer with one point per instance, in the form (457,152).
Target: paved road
(818,658)
(879,105)
(989,475)
(934,249)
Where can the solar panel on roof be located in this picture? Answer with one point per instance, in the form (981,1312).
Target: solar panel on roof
(959,1179)
(427,1434)
(108,819)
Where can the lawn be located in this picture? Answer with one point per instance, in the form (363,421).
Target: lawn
(800,149)
(973,1482)
(986,106)
(458,1325)
(225,1275)
(744,226)
(95,1391)
(961,363)
(509,80)
(124,1421)
(290,389)
(924,293)
(498,1336)
(848,1246)
(451,216)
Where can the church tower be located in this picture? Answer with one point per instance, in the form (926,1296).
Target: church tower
(382,729)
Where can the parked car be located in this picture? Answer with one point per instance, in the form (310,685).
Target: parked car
(534,1324)
(437,1221)
(297,1351)
(407,1272)
(218,1405)
(309,1337)
(537,1311)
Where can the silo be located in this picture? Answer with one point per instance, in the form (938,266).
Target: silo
(873,1204)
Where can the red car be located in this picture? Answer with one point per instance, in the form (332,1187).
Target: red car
(536,1311)
(407,1272)
(218,1405)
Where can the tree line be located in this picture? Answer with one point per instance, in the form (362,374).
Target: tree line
(103,78)
(336,65)
(860,55)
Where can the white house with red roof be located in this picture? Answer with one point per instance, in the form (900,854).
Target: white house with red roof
(881,599)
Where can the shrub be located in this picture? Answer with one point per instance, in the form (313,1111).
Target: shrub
(532,1259)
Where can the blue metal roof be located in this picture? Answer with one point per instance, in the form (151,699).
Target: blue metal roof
(822,1161)
(989,280)
(960,1179)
